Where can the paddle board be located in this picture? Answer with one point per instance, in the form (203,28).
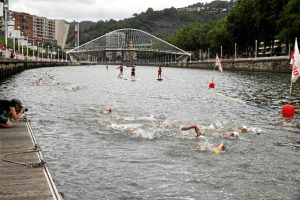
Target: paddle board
(159,79)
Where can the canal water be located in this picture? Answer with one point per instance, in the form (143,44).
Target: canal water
(139,152)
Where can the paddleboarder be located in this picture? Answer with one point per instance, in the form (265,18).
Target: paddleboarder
(159,72)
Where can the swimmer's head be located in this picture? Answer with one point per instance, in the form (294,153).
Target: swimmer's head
(109,110)
(244,129)
(234,134)
(221,147)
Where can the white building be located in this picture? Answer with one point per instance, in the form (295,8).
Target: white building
(61,32)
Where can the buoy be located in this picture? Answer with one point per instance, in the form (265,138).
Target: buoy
(211,85)
(288,110)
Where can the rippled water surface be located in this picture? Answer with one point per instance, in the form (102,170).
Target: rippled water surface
(139,152)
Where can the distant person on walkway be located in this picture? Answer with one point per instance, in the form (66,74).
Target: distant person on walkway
(121,70)
(132,72)
(159,72)
(193,126)
(106,68)
(10,111)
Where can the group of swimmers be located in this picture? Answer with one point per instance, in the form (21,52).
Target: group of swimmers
(214,149)
(230,134)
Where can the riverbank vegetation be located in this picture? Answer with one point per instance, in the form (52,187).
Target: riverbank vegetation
(264,21)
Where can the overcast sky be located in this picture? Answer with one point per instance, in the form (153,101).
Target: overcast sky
(93,10)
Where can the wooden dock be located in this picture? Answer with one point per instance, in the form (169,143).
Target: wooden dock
(22,174)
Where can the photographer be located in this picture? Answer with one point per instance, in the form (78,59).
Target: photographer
(10,111)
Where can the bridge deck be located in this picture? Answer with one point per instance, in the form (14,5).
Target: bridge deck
(18,181)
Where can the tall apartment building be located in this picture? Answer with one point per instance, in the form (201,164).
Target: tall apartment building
(44,29)
(24,23)
(41,29)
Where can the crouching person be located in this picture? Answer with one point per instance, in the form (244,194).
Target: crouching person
(10,111)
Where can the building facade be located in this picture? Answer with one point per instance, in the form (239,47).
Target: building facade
(43,29)
(61,32)
(24,23)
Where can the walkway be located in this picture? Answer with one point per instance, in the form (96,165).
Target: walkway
(27,178)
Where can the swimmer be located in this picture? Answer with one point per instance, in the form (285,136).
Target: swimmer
(50,76)
(75,87)
(220,148)
(108,111)
(244,129)
(193,126)
(233,134)
(39,81)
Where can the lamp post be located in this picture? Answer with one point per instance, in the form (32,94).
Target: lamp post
(42,51)
(221,52)
(27,38)
(48,52)
(22,36)
(38,50)
(14,37)
(235,52)
(33,48)
(5,23)
(208,54)
(255,49)
(58,54)
(18,39)
(53,51)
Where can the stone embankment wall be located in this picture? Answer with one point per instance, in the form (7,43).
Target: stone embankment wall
(260,65)
(9,67)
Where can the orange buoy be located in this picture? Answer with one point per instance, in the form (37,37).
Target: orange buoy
(211,85)
(288,110)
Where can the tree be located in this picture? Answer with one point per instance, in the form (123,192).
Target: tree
(288,23)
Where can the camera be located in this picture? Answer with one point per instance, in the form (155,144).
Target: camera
(26,109)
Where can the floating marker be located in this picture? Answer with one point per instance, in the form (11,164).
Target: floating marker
(211,85)
(288,110)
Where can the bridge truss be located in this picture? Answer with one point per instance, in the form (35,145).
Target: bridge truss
(128,45)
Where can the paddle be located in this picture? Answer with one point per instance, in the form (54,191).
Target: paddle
(166,77)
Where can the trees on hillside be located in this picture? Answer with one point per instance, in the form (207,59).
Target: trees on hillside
(289,21)
(248,21)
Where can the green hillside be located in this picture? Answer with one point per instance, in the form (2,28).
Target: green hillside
(159,23)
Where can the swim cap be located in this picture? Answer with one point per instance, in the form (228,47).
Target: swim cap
(236,134)
(216,151)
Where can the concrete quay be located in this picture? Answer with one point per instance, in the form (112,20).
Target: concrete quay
(274,64)
(10,66)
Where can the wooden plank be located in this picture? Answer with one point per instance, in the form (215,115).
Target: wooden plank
(19,181)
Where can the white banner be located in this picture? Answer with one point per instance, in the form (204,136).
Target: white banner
(295,61)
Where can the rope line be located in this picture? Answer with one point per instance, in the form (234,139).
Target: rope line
(30,164)
(246,103)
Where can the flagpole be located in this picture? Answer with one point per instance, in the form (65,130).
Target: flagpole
(291,85)
(212,80)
